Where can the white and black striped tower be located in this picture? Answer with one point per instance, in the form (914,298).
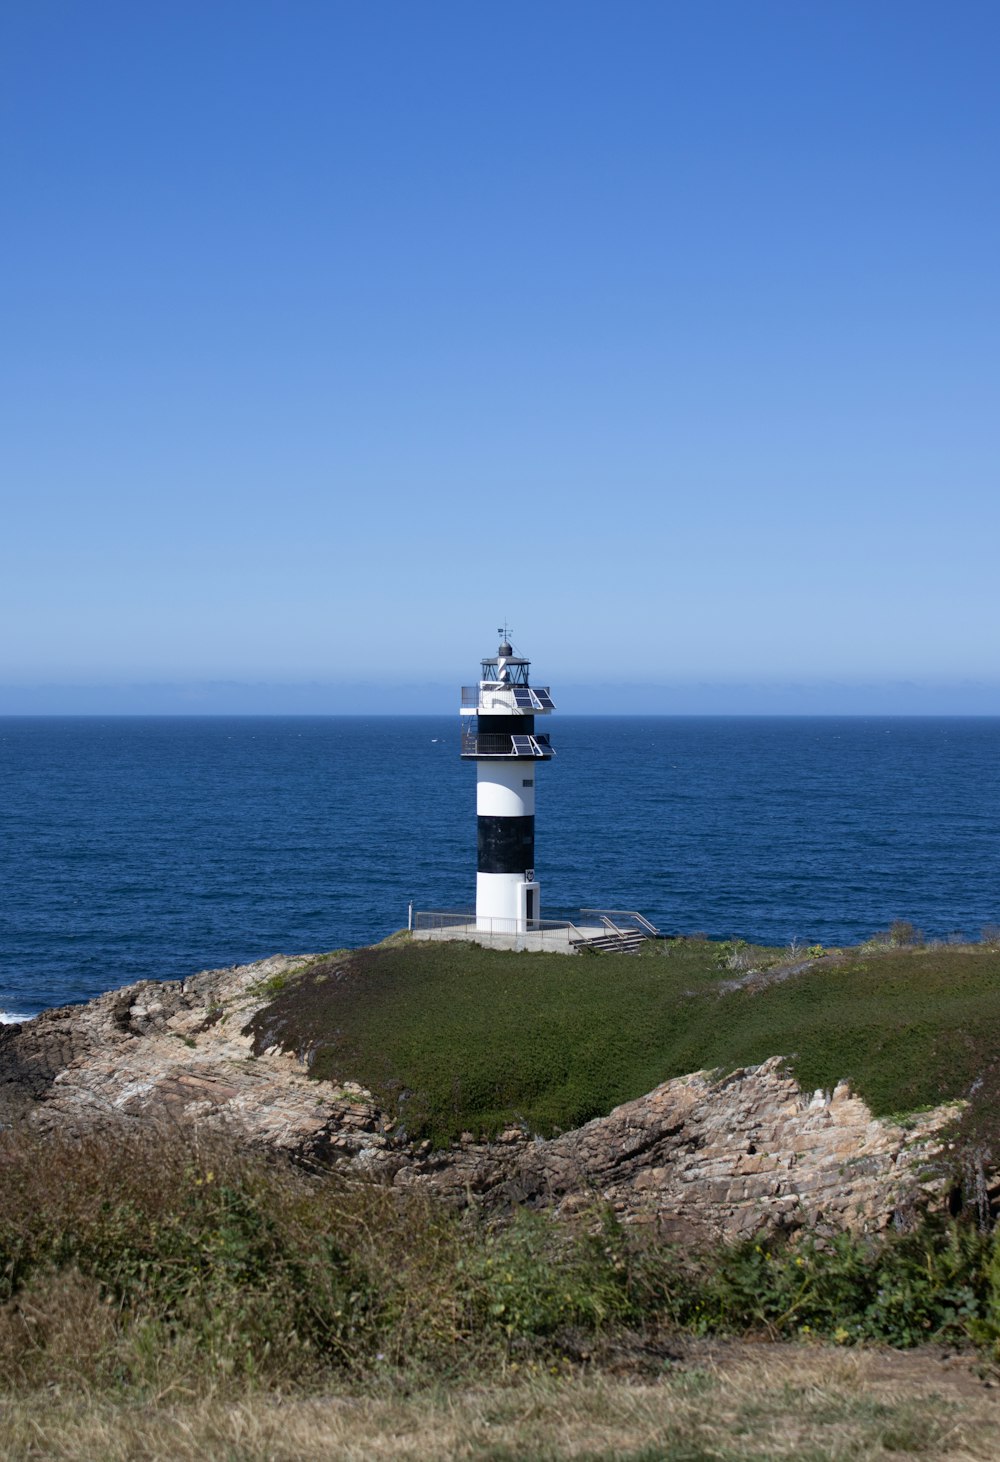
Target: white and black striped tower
(498,734)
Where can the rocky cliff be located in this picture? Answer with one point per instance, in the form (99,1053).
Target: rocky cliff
(701,1156)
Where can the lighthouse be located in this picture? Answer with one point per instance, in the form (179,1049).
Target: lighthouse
(499,735)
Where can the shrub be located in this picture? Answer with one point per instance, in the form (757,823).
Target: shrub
(533,1277)
(149,1260)
(902,932)
(743,958)
(245,1261)
(932,1284)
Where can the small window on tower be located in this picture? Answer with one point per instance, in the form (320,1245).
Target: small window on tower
(528,782)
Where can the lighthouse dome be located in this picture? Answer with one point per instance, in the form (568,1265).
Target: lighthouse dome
(506,649)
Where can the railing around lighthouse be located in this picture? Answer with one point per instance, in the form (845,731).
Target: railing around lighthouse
(472,695)
(465,924)
(498,743)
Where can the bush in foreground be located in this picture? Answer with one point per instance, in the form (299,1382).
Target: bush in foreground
(155,1259)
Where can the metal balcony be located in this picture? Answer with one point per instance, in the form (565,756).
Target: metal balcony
(499,744)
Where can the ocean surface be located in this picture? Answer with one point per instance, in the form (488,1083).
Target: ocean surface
(154,847)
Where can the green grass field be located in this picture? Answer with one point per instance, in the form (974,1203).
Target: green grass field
(454,1037)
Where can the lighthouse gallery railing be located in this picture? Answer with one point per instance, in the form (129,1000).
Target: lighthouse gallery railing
(472,694)
(496,743)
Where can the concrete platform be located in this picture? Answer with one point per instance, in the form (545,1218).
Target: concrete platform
(554,940)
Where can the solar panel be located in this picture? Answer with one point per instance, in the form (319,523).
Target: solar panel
(523,746)
(543,699)
(522,698)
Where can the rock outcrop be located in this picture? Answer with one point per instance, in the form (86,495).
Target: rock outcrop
(732,1154)
(179,1050)
(701,1156)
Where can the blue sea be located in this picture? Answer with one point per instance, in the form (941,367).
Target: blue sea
(154,847)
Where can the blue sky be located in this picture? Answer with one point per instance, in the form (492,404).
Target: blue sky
(332,334)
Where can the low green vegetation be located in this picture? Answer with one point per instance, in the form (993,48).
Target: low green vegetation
(273,985)
(151,1261)
(453,1037)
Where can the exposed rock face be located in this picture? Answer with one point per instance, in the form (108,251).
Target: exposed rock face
(736,1153)
(178,1050)
(701,1156)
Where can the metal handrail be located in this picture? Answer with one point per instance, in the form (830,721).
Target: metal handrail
(607,914)
(472,694)
(498,924)
(488,743)
(498,743)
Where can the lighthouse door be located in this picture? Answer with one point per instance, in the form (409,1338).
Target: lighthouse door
(528,901)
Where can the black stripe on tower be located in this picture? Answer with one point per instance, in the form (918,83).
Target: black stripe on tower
(506,725)
(506,844)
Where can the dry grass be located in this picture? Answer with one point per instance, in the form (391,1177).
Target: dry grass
(131,1256)
(739,1403)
